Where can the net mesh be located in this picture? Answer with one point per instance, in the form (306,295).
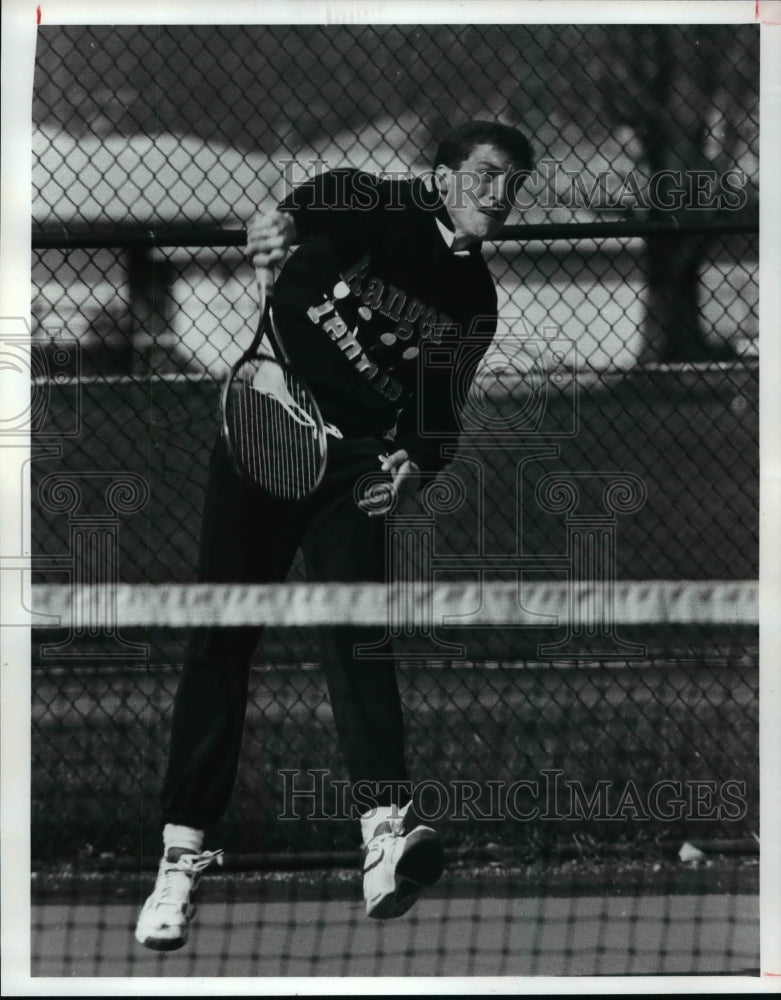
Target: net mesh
(599,813)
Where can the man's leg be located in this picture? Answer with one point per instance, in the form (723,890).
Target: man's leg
(403,857)
(344,545)
(245,538)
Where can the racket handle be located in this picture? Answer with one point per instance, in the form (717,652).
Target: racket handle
(265,280)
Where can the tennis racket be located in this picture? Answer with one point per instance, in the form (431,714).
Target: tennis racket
(271,423)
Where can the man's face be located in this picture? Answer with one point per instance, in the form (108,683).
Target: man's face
(477,194)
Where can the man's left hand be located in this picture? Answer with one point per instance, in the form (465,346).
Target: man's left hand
(384,496)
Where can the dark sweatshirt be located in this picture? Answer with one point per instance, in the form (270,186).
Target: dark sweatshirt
(385,322)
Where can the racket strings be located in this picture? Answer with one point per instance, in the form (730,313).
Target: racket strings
(278,436)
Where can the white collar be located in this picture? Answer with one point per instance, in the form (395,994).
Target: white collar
(449,236)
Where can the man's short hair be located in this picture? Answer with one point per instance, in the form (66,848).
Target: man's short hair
(459,143)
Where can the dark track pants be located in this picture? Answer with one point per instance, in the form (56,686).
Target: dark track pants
(247,538)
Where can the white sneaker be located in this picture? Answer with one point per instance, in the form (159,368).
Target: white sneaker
(397,867)
(164,921)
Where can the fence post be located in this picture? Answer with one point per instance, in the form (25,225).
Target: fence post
(152,340)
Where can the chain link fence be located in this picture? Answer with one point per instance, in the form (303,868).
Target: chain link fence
(627,347)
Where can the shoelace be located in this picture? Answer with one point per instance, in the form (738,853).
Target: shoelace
(396,824)
(393,827)
(180,875)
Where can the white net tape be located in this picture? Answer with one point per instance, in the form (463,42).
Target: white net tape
(656,602)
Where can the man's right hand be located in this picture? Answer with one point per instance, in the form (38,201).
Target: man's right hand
(270,235)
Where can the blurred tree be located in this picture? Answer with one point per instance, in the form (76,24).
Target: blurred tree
(262,86)
(690,94)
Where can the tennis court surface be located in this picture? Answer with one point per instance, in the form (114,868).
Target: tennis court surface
(314,925)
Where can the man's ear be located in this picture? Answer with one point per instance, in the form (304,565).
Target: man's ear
(442,175)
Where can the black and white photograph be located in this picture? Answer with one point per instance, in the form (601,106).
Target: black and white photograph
(382,487)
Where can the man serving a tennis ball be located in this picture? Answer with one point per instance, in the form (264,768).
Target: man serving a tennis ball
(383,270)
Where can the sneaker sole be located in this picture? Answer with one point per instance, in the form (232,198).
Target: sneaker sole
(419,867)
(162,944)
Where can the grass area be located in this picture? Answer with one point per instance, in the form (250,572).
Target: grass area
(100,740)
(574,877)
(691,440)
(100,735)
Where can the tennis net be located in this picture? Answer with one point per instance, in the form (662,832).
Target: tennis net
(594,779)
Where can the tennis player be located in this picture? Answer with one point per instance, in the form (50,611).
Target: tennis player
(397,262)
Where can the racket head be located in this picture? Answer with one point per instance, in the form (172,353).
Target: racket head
(273,427)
